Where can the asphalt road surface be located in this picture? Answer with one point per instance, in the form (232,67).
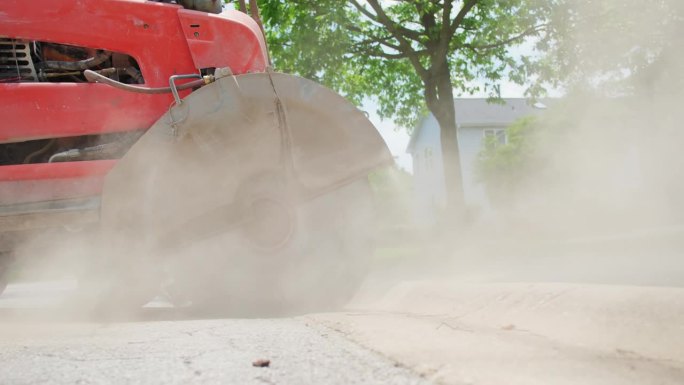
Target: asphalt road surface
(38,346)
(418,333)
(599,317)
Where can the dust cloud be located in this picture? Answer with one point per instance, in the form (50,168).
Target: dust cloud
(599,194)
(607,153)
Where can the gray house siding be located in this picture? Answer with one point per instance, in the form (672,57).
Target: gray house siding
(427,171)
(475,118)
(470,141)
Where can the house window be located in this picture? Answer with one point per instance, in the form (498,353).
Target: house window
(497,135)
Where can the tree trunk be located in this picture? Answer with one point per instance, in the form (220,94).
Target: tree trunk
(440,101)
(451,159)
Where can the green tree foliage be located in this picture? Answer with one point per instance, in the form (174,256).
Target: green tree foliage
(503,168)
(409,55)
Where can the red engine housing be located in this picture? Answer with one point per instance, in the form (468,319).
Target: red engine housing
(164,39)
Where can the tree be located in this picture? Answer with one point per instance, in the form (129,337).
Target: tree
(504,168)
(408,54)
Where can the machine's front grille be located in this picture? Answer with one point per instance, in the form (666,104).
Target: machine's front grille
(16,64)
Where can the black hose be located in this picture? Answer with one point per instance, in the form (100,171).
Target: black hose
(93,76)
(99,58)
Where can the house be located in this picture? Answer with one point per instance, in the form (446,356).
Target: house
(476,119)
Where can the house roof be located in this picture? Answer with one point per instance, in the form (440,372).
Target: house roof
(482,113)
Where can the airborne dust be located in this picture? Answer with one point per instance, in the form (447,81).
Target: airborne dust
(597,193)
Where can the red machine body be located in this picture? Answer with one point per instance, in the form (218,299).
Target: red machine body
(164,40)
(246,172)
